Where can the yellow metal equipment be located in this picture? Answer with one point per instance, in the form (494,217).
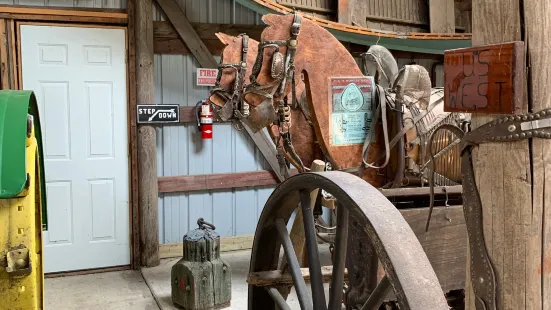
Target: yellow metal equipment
(22,199)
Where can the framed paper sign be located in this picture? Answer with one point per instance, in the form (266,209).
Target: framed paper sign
(351,109)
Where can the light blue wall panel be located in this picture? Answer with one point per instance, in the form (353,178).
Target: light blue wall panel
(180,150)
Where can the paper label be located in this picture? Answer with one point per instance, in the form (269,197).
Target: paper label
(351,109)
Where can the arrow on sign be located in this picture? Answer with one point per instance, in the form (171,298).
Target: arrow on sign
(159,111)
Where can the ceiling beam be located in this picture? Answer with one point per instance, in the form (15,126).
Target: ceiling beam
(167,40)
(185,30)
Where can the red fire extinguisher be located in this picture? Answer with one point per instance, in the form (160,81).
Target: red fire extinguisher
(206,116)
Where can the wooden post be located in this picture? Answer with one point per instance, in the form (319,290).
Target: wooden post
(343,13)
(442,16)
(511,176)
(147,153)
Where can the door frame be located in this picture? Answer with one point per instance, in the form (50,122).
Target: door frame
(131,121)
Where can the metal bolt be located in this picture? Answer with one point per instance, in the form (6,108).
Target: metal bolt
(481,280)
(537,116)
(530,117)
(548,135)
(516,136)
(517,118)
(529,134)
(543,112)
(523,135)
(524,117)
(510,137)
(188,288)
(512,128)
(204,279)
(224,268)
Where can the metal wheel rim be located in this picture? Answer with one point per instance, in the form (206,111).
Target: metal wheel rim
(406,265)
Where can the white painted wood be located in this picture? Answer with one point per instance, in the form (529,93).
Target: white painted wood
(79,78)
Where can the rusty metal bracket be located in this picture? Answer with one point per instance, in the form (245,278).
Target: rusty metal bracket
(18,262)
(503,129)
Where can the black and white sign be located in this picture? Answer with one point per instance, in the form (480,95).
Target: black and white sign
(161,113)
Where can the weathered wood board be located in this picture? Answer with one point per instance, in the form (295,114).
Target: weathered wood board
(487,79)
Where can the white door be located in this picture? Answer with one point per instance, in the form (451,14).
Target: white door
(79,77)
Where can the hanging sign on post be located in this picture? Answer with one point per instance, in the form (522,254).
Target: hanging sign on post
(206,77)
(485,80)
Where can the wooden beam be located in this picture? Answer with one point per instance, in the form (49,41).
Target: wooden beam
(27,13)
(442,16)
(202,182)
(147,149)
(167,40)
(4,51)
(184,29)
(187,115)
(278,278)
(227,244)
(512,178)
(134,182)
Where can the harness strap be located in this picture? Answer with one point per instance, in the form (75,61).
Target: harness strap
(416,120)
(381,109)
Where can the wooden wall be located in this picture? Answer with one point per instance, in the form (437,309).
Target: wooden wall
(326,9)
(391,15)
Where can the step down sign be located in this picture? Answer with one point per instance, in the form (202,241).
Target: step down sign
(158,113)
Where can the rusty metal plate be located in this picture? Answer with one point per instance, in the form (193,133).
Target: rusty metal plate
(485,80)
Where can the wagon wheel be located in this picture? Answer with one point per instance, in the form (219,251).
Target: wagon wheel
(407,269)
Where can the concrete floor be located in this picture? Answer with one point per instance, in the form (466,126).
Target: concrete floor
(148,290)
(111,290)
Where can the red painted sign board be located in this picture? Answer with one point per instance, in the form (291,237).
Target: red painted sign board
(206,77)
(485,80)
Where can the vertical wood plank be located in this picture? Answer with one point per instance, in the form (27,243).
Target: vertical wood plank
(343,12)
(512,193)
(147,153)
(4,50)
(537,23)
(442,16)
(134,183)
(13,57)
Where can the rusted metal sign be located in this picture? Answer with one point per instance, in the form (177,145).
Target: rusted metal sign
(486,80)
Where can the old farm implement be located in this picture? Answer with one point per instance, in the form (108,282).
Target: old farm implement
(297,83)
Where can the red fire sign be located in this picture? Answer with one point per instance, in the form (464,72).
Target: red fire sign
(206,77)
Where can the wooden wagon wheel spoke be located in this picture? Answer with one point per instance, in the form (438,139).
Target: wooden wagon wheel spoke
(339,259)
(298,280)
(316,281)
(372,219)
(378,296)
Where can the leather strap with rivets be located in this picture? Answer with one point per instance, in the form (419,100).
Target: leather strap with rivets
(503,129)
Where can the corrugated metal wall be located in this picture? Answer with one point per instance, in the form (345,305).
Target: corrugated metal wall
(181,151)
(105,4)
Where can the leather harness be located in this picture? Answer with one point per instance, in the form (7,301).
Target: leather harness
(503,129)
(282,71)
(233,97)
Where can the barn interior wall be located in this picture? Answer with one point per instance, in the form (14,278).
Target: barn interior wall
(180,150)
(103,4)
